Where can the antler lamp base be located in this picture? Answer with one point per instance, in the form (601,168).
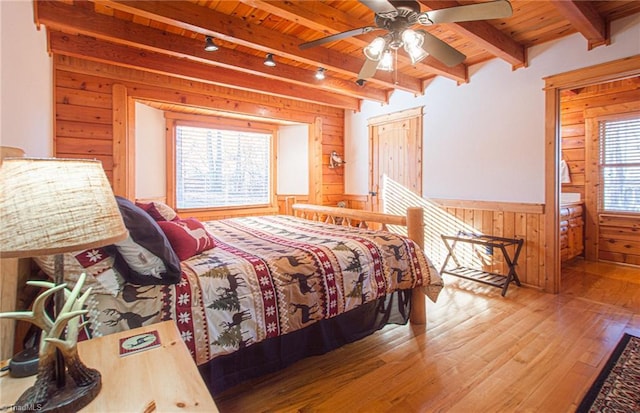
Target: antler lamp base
(67,399)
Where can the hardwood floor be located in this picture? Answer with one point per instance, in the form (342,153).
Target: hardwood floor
(526,352)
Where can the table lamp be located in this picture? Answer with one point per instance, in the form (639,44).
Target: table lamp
(52,206)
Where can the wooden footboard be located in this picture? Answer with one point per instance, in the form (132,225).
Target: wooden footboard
(365,219)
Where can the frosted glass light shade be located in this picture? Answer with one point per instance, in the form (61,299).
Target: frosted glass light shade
(386,63)
(375,49)
(416,53)
(51,206)
(413,45)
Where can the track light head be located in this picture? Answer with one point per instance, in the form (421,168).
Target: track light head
(268,61)
(320,73)
(209,45)
(360,82)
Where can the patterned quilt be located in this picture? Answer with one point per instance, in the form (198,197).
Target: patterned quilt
(268,276)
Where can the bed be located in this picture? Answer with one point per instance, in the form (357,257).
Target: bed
(254,294)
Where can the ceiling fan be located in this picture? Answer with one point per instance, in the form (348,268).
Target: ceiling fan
(398,17)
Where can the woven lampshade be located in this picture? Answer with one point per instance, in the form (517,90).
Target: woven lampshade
(51,206)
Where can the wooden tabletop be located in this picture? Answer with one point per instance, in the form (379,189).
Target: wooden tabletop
(160,379)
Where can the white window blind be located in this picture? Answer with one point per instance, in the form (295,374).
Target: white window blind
(222,168)
(620,165)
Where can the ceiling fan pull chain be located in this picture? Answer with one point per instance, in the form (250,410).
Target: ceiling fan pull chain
(395,73)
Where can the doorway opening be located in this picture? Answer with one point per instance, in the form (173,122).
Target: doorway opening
(557,87)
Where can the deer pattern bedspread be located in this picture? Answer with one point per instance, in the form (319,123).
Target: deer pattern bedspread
(271,275)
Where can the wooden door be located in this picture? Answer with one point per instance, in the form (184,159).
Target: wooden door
(395,152)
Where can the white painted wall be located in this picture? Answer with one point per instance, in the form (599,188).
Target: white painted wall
(485,140)
(293,160)
(151,158)
(25,82)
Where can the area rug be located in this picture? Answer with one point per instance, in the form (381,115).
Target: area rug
(617,387)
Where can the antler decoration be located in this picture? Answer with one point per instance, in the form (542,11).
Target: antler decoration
(52,338)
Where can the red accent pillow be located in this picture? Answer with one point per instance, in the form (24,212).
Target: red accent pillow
(188,237)
(159,211)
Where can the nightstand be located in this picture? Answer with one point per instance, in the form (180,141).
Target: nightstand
(164,378)
(15,273)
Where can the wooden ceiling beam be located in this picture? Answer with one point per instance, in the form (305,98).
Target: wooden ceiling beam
(585,18)
(199,19)
(105,52)
(328,20)
(75,20)
(485,36)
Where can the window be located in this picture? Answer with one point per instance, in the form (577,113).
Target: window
(222,168)
(620,165)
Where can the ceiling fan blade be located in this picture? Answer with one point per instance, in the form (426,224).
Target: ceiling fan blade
(481,11)
(441,51)
(381,7)
(368,69)
(337,36)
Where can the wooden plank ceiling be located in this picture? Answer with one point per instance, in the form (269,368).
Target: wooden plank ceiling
(169,37)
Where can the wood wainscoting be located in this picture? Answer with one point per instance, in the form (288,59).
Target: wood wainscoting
(502,219)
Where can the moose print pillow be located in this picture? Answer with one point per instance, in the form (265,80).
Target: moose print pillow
(188,237)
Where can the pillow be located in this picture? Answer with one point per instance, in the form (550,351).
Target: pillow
(97,263)
(140,259)
(188,237)
(159,211)
(146,257)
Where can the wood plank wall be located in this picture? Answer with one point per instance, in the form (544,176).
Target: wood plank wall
(573,103)
(84,115)
(607,237)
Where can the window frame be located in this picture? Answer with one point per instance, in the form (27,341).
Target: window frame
(601,191)
(174,120)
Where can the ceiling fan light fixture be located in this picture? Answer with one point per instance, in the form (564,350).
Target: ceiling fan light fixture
(415,53)
(412,38)
(375,49)
(320,73)
(209,45)
(413,41)
(268,61)
(386,62)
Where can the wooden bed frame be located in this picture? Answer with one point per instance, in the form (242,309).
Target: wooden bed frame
(363,219)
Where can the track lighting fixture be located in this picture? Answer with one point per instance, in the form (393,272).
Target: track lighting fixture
(320,73)
(269,60)
(209,45)
(360,82)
